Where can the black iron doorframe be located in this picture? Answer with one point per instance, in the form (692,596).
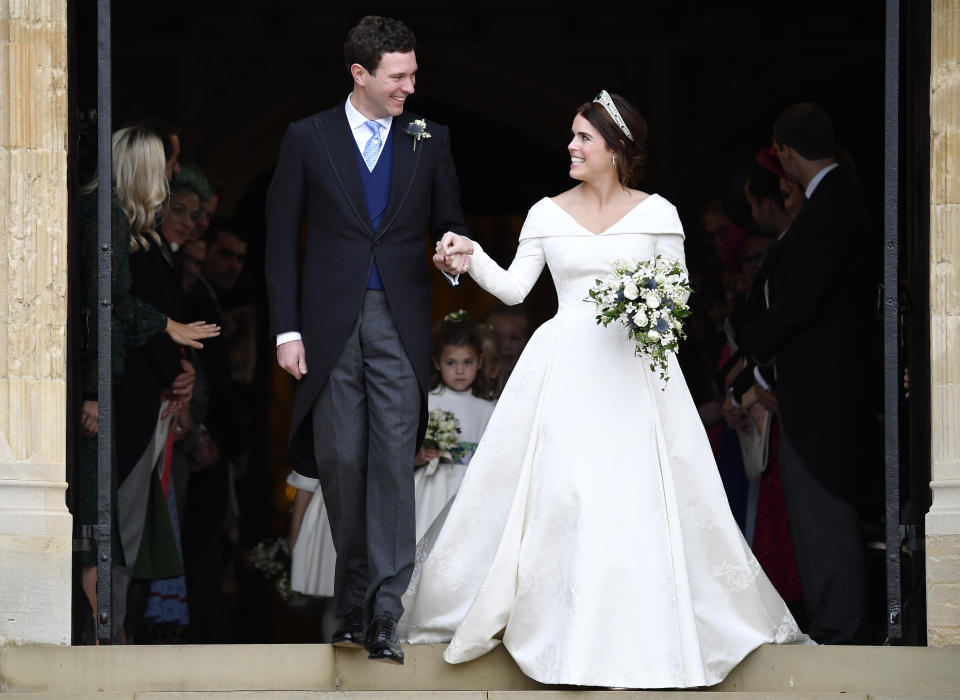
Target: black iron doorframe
(891,317)
(104,329)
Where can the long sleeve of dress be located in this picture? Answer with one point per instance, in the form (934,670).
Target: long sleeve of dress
(133,321)
(512,285)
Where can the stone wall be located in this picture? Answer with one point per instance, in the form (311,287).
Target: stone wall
(943,520)
(35,527)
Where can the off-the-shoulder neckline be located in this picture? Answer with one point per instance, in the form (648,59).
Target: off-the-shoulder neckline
(611,226)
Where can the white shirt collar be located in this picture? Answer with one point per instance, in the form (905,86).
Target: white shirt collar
(355,119)
(817,178)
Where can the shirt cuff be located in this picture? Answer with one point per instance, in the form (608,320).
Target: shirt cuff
(287,337)
(454,280)
(760,380)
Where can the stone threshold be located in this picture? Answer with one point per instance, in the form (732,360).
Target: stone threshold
(308,670)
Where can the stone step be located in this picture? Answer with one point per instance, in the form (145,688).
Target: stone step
(306,670)
(471,695)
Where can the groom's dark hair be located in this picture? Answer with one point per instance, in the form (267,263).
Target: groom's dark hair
(374,36)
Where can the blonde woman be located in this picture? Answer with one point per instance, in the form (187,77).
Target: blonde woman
(139,194)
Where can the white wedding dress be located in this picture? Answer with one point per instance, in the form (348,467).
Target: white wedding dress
(591,528)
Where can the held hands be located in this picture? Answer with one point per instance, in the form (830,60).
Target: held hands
(292,357)
(453,253)
(190,333)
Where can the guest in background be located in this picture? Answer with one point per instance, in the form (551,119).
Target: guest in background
(814,331)
(139,192)
(512,328)
(492,362)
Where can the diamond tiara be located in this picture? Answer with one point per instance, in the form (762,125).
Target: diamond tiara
(604,99)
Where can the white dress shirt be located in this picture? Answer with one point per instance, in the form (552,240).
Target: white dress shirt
(817,178)
(361,132)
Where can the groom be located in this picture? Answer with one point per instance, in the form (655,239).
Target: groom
(354,328)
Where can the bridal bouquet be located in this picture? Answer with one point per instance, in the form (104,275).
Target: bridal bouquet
(650,299)
(443,431)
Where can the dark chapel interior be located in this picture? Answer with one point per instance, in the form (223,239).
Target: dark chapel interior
(710,78)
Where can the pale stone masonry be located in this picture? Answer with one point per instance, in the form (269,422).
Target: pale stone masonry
(943,520)
(35,527)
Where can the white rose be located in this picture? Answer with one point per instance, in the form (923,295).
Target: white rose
(630,291)
(640,319)
(653,301)
(653,335)
(660,279)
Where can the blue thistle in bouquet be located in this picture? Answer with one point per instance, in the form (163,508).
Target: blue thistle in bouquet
(650,299)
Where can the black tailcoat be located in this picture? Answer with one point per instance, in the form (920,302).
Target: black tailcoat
(817,329)
(317,177)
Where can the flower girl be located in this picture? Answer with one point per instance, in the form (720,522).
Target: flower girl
(457,387)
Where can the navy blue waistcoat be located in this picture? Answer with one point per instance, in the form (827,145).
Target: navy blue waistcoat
(376,193)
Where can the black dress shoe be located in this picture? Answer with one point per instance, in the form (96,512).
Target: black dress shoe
(383,642)
(350,632)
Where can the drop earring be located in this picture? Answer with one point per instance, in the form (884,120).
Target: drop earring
(613,159)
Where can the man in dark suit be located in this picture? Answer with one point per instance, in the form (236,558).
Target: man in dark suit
(814,331)
(370,184)
(762,193)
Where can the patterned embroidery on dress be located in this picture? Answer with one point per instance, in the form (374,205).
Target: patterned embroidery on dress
(457,650)
(788,632)
(455,580)
(423,552)
(565,595)
(548,663)
(478,507)
(702,517)
(528,584)
(562,513)
(736,578)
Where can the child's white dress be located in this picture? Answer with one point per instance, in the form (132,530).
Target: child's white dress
(314,558)
(434,487)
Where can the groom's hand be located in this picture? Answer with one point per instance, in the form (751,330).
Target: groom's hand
(453,253)
(450,265)
(292,357)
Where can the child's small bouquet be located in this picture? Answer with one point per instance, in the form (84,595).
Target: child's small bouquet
(650,299)
(443,430)
(272,558)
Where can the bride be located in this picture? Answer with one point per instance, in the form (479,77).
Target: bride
(591,533)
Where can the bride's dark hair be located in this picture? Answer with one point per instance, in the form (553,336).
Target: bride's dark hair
(631,155)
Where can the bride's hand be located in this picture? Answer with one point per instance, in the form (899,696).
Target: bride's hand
(453,253)
(452,244)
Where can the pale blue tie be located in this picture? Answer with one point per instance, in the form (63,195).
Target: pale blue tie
(372,149)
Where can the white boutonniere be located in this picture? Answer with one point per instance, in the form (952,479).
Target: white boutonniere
(418,130)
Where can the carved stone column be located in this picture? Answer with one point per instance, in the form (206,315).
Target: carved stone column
(943,520)
(35,527)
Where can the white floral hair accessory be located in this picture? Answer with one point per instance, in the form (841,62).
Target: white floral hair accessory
(604,99)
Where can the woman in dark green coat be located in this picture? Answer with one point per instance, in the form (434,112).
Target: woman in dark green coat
(140,192)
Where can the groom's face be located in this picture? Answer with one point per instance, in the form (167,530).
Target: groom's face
(383,92)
